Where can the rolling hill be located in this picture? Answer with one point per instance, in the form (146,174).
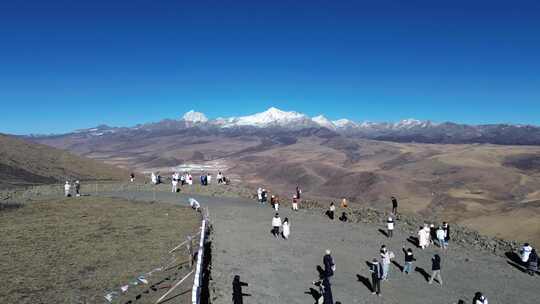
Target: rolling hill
(25,163)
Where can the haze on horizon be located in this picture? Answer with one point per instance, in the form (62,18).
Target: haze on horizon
(68,66)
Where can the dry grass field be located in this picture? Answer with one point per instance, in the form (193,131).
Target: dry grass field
(76,250)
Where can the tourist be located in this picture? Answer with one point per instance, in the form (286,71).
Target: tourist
(132,177)
(174,183)
(286,229)
(409,260)
(446,229)
(208,178)
(344,203)
(440,237)
(525,252)
(276,203)
(329,266)
(423,237)
(189,179)
(343,217)
(331,211)
(264,196)
(183,179)
(67,189)
(394,205)
(220,178)
(276,224)
(194,204)
(295,203)
(259,195)
(386,259)
(479,298)
(390,227)
(298,192)
(436,269)
(153,178)
(432,234)
(532,263)
(77,188)
(376,276)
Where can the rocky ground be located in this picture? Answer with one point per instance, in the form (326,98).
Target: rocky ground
(281,271)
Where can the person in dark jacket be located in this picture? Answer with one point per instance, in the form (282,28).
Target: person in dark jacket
(532,263)
(394,205)
(329,266)
(436,269)
(376,276)
(446,229)
(238,295)
(409,260)
(327,293)
(479,298)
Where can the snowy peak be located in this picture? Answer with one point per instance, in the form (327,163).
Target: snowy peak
(323,122)
(411,123)
(344,123)
(270,117)
(195,117)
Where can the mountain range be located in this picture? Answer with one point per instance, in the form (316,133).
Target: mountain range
(407,130)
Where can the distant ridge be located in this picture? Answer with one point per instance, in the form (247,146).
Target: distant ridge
(407,130)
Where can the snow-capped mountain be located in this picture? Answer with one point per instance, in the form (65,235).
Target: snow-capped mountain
(269,118)
(194,117)
(278,121)
(324,122)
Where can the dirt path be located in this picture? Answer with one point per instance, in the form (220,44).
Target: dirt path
(280,271)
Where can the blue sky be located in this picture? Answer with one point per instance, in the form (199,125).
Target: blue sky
(73,64)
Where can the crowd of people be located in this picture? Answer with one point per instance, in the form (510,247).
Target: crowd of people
(379,267)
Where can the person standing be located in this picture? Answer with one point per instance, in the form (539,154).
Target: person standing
(479,298)
(77,188)
(446,229)
(423,237)
(132,177)
(331,211)
(174,183)
(390,227)
(276,224)
(294,203)
(525,252)
(329,266)
(440,237)
(286,228)
(376,276)
(259,195)
(67,189)
(298,191)
(409,260)
(532,263)
(386,257)
(436,269)
(394,205)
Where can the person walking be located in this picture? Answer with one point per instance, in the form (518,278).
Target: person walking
(386,259)
(276,224)
(329,266)
(532,263)
(390,227)
(409,260)
(394,205)
(67,189)
(376,276)
(286,228)
(440,237)
(436,269)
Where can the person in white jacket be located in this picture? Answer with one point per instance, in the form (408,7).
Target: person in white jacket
(440,237)
(286,228)
(276,224)
(423,237)
(525,252)
(386,257)
(175,178)
(67,189)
